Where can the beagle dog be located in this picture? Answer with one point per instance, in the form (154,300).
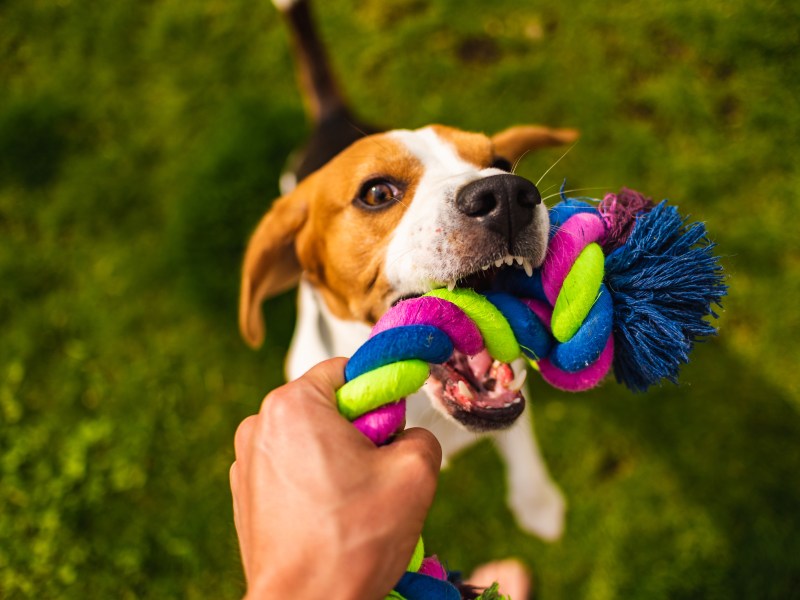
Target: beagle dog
(368,220)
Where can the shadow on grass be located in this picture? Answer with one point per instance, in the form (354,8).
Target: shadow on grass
(732,439)
(687,492)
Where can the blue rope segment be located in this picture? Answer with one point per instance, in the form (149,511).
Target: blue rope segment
(423,342)
(417,586)
(664,281)
(585,346)
(515,282)
(565,209)
(532,336)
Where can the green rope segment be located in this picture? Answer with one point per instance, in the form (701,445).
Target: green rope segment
(383,385)
(495,330)
(578,293)
(416,558)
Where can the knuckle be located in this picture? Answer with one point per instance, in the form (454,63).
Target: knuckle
(278,407)
(427,451)
(243,434)
(233,476)
(420,463)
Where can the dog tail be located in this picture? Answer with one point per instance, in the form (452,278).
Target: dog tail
(318,85)
(334,127)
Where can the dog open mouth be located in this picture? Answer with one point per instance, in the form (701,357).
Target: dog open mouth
(478,391)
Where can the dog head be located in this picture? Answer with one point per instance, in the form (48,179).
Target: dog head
(400,213)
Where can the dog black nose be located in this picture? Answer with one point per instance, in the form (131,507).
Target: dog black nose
(501,203)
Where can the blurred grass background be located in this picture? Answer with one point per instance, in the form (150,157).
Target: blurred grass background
(141,140)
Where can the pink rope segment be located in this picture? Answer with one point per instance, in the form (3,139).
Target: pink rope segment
(573,236)
(570,382)
(380,424)
(585,378)
(445,315)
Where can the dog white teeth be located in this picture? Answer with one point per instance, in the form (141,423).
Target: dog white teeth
(518,381)
(465,391)
(498,262)
(518,260)
(526,264)
(516,401)
(485,267)
(451,285)
(509,260)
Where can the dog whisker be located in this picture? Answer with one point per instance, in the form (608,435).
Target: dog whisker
(555,163)
(396,199)
(605,187)
(548,188)
(398,257)
(358,129)
(516,162)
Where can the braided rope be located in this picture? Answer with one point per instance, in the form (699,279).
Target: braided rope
(567,329)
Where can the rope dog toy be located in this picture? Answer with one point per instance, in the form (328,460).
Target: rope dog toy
(624,283)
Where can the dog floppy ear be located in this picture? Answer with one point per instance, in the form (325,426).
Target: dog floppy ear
(513,143)
(270,262)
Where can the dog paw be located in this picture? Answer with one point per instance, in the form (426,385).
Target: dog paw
(540,511)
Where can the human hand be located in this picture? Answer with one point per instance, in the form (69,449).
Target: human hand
(319,510)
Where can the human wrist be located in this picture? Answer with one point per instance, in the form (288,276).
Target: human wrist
(306,582)
(276,582)
(267,587)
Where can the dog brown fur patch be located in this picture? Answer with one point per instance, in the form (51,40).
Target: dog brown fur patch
(515,142)
(342,247)
(474,148)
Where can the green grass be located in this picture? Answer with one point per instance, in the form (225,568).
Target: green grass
(140,142)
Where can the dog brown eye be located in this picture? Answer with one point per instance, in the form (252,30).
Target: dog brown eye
(378,193)
(502,164)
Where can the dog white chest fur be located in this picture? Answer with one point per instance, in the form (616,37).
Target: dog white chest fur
(396,215)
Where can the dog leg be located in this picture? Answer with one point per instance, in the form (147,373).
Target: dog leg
(535,500)
(452,437)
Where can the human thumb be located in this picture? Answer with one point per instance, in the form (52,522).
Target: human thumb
(417,452)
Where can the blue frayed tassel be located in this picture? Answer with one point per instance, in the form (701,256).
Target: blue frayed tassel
(663,282)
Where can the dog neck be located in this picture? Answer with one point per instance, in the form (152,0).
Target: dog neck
(320,335)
